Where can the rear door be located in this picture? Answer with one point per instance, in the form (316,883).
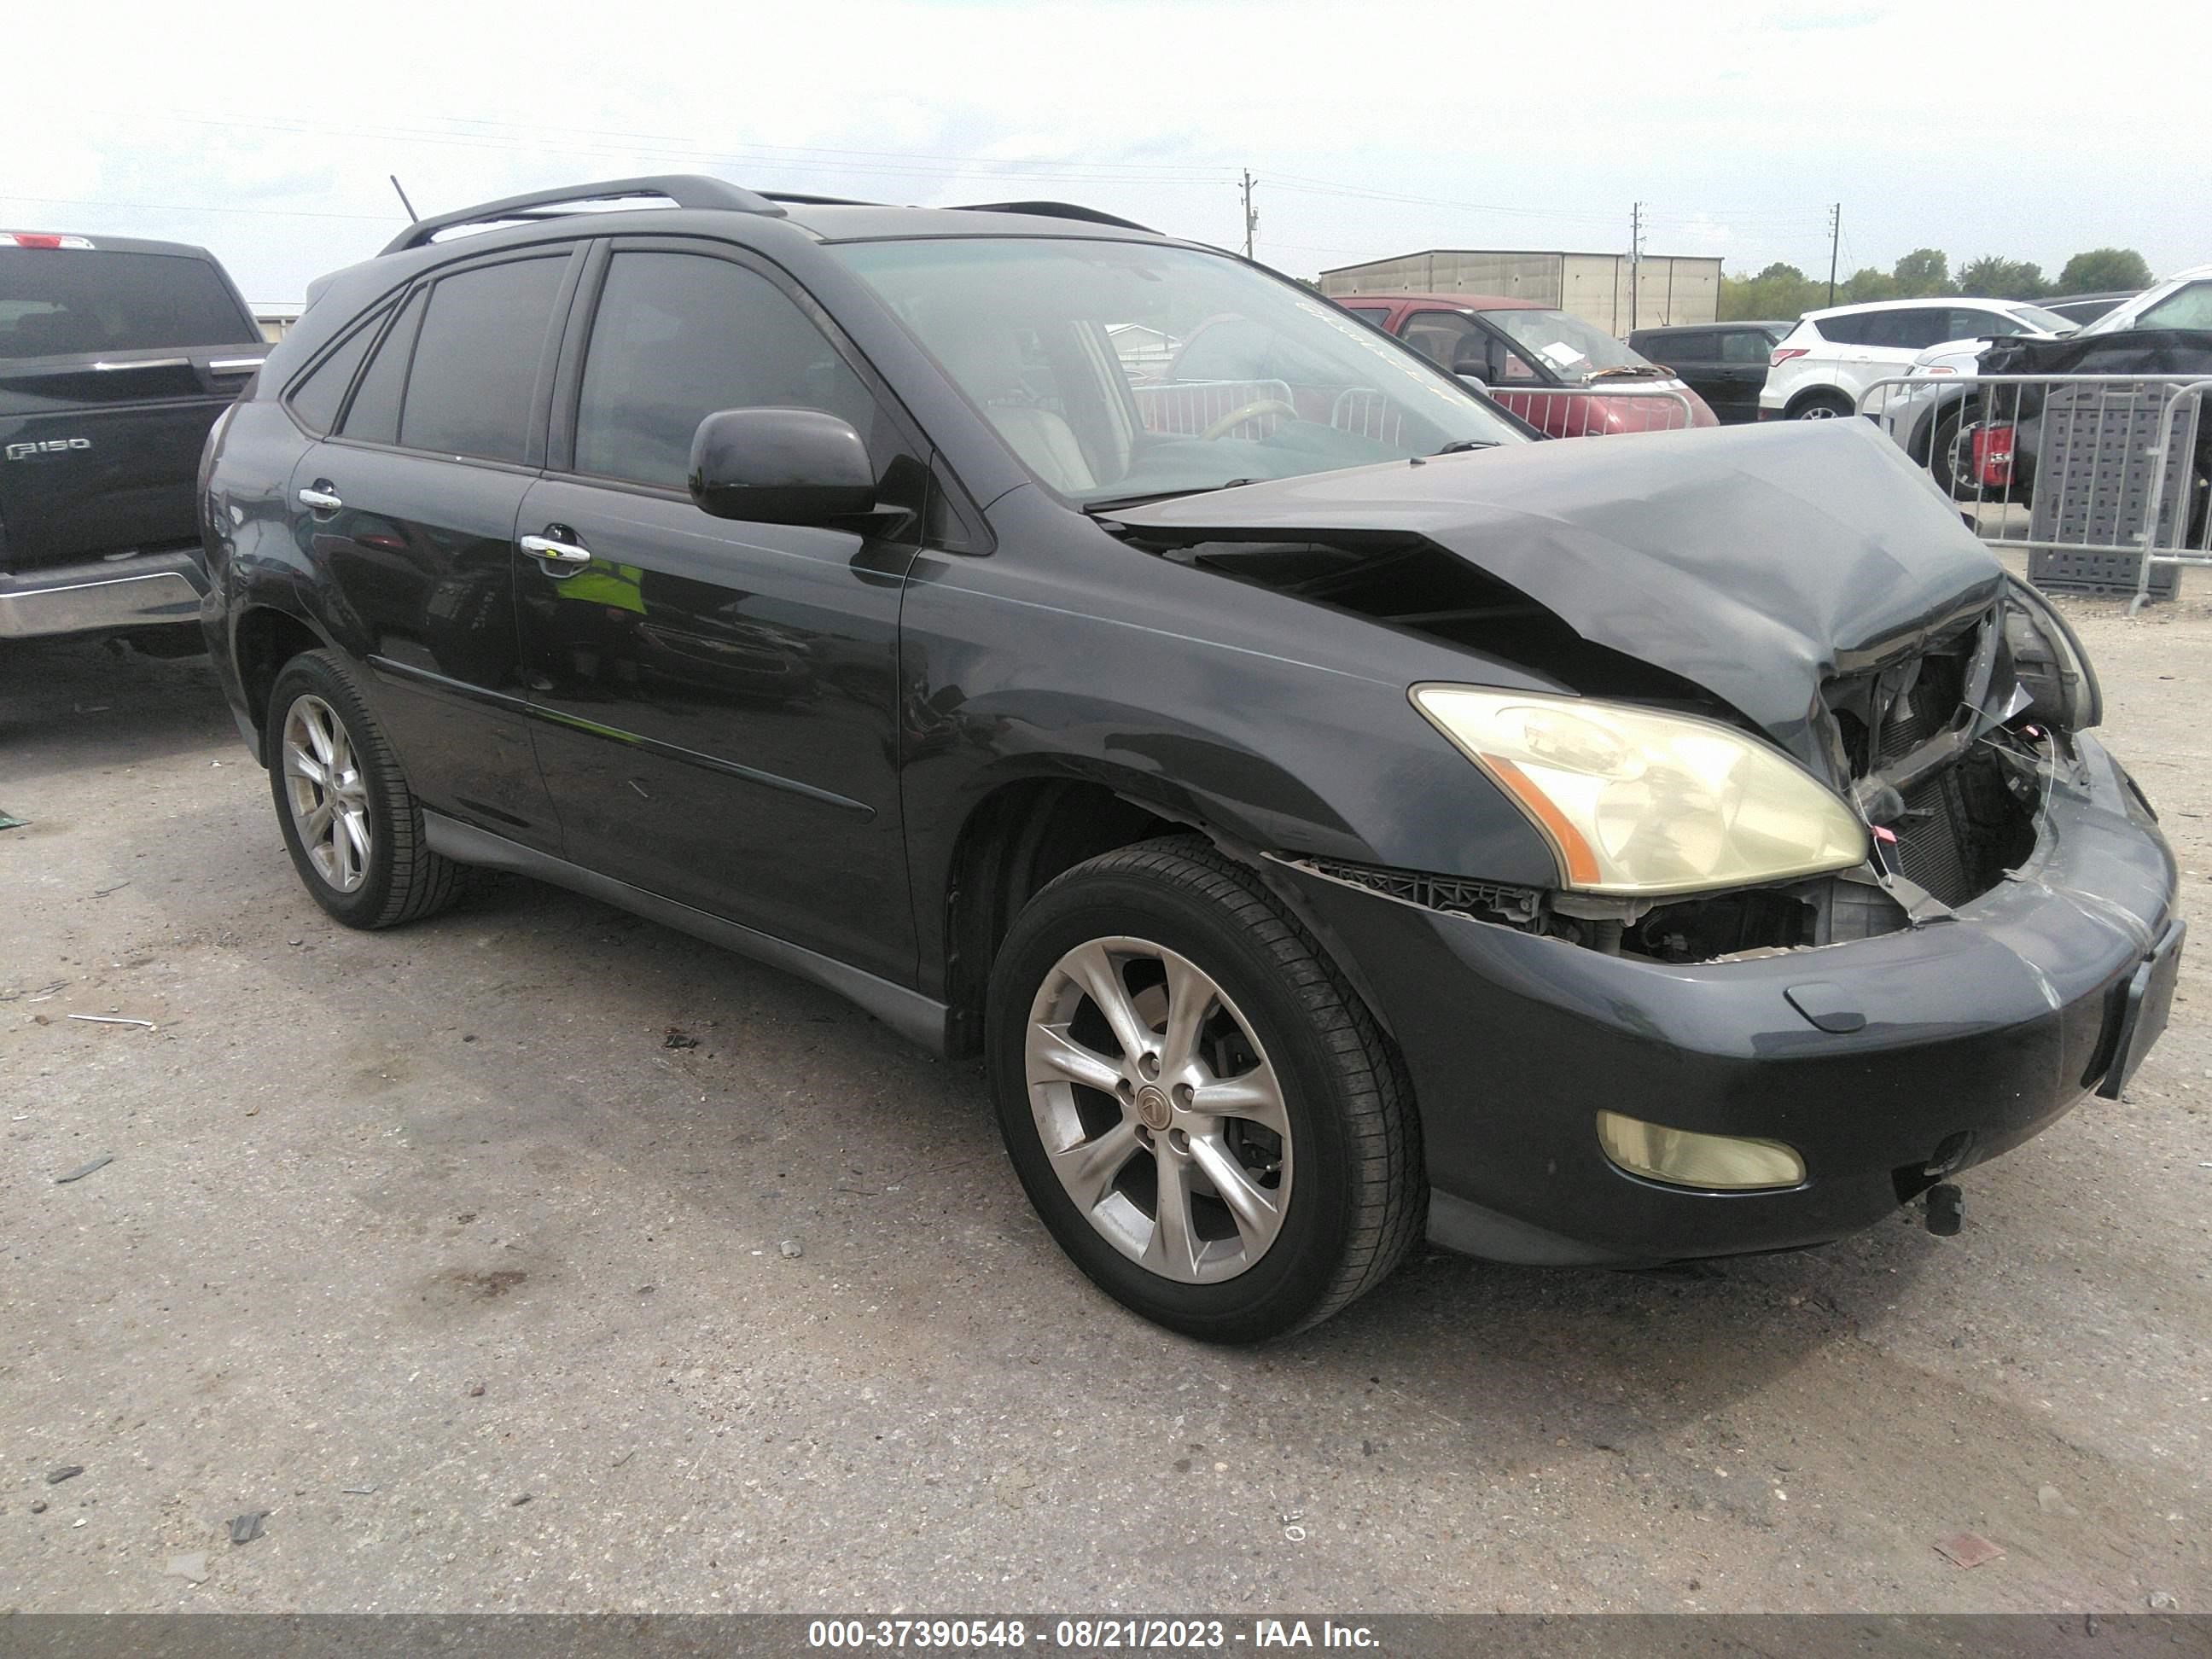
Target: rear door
(1887,342)
(1694,355)
(717,701)
(409,507)
(1741,373)
(113,365)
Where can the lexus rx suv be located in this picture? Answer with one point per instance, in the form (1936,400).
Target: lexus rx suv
(1332,817)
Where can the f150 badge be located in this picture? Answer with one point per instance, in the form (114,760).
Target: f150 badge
(52,447)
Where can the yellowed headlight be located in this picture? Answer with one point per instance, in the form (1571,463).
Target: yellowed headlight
(1683,1158)
(1637,802)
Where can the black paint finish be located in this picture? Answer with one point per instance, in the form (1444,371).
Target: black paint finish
(779,736)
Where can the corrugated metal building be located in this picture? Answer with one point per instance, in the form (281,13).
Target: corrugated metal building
(1594,287)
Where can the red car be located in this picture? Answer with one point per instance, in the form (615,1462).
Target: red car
(1535,361)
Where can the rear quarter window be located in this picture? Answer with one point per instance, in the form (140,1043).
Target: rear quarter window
(317,399)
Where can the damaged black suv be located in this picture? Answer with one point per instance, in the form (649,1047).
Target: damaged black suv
(1330,815)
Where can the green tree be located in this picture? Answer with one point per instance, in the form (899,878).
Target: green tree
(1923,271)
(1993,277)
(1780,291)
(2103,270)
(1866,284)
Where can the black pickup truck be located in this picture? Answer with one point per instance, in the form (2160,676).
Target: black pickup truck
(116,356)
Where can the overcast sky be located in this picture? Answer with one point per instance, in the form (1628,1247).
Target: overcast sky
(266,131)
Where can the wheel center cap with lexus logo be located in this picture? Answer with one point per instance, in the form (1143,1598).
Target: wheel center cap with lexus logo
(1152,1107)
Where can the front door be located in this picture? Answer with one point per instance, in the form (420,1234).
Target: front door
(716,702)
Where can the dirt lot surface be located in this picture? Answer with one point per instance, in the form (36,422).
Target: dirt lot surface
(426,1244)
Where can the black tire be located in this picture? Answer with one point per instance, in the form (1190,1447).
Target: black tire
(401,879)
(1825,406)
(1359,1202)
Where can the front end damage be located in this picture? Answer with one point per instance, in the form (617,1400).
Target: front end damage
(2008,945)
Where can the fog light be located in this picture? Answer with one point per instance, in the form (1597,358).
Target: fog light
(1682,1157)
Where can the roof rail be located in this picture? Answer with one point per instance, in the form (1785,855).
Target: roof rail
(1057,211)
(684,190)
(805,200)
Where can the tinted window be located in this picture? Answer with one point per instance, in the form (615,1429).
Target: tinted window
(475,375)
(1908,330)
(315,400)
(678,336)
(1983,326)
(1377,315)
(373,415)
(1746,345)
(1682,349)
(55,301)
(1846,331)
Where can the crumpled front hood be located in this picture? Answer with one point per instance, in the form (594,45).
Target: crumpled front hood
(1754,561)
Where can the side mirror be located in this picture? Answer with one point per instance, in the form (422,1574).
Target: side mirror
(781,467)
(1476,382)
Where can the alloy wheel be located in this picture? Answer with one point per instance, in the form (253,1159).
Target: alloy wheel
(1158,1110)
(323,786)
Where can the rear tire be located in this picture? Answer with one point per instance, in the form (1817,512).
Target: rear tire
(1255,1164)
(1825,405)
(1951,456)
(353,827)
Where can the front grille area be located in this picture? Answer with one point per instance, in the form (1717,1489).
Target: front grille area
(1963,826)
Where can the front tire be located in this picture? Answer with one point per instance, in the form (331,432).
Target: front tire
(1204,1113)
(351,825)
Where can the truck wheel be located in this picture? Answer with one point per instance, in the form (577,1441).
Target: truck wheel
(1202,1110)
(353,827)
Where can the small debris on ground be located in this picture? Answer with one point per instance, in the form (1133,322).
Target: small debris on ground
(115,1020)
(102,892)
(617,1462)
(64,1472)
(84,1169)
(792,1249)
(193,1567)
(7,822)
(517,1500)
(1968,1549)
(2051,1499)
(676,1037)
(356,1491)
(475,1391)
(2163,1602)
(38,1506)
(245,1528)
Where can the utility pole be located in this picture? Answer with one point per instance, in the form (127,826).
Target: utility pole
(1835,236)
(1251,219)
(1635,262)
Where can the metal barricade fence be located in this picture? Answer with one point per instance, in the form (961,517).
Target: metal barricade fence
(1573,412)
(2100,479)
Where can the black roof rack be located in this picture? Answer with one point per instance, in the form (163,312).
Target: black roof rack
(684,190)
(1057,211)
(804,200)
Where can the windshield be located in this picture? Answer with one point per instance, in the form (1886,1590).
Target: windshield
(2050,322)
(1571,347)
(1120,370)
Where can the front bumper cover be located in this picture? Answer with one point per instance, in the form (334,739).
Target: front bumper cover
(1987,1025)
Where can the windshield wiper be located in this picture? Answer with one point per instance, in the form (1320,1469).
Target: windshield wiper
(1117,502)
(1461,446)
(1628,371)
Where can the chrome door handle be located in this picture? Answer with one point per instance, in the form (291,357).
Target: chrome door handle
(544,547)
(320,500)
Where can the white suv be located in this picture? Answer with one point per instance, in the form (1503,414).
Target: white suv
(1819,369)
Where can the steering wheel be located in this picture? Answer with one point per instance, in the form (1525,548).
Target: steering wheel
(1236,417)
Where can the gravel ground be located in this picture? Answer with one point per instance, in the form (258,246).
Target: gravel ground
(425,1244)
